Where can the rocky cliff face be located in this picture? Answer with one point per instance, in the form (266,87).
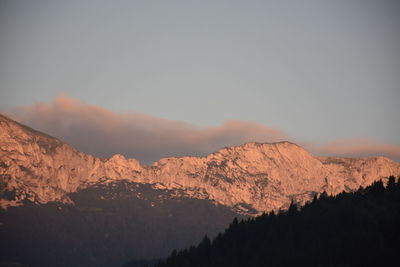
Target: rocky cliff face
(251,178)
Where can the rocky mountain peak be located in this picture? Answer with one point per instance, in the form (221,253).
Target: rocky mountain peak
(249,178)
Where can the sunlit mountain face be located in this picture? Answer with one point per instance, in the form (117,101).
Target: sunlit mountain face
(251,179)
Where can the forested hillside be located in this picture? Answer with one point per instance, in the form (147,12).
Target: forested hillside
(350,229)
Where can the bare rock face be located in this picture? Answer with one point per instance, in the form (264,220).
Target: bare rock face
(251,178)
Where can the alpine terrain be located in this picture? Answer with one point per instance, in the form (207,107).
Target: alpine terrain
(251,179)
(62,207)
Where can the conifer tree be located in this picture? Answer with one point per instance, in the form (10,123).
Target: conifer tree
(391,185)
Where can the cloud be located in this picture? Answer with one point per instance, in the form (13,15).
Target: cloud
(102,132)
(358,147)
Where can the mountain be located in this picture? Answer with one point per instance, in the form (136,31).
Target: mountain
(65,208)
(350,229)
(250,179)
(61,207)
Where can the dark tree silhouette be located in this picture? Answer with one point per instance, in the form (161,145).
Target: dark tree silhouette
(351,229)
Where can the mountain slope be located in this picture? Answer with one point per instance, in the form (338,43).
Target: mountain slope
(250,179)
(109,224)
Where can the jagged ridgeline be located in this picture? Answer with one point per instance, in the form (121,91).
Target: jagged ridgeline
(350,229)
(251,178)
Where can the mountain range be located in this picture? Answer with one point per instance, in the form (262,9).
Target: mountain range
(250,179)
(62,207)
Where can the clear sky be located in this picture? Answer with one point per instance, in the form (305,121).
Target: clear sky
(317,70)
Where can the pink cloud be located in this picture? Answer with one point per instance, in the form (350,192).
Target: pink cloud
(359,147)
(102,132)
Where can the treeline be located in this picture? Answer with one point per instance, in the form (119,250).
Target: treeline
(350,229)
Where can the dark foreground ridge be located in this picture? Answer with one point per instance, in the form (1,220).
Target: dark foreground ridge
(109,224)
(350,229)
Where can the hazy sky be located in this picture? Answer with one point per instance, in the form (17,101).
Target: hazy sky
(317,70)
